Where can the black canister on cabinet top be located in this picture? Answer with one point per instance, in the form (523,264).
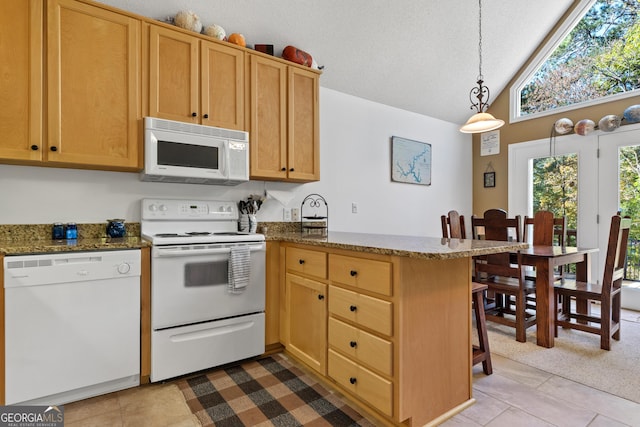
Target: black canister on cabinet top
(58,231)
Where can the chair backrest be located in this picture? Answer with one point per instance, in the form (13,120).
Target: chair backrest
(497,226)
(453,225)
(616,254)
(545,228)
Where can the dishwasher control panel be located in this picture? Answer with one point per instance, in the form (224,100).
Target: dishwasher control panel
(45,269)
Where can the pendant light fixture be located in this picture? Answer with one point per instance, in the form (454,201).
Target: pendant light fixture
(481,121)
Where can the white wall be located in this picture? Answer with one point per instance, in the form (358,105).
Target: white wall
(355,167)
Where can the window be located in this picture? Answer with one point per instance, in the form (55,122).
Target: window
(594,57)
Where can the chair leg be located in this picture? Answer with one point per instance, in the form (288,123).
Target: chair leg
(615,315)
(605,326)
(521,303)
(483,338)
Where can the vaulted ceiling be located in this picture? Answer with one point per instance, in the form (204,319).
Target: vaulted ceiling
(416,55)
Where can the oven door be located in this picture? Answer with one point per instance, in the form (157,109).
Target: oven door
(189,284)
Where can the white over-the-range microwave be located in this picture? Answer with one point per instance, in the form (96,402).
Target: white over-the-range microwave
(189,153)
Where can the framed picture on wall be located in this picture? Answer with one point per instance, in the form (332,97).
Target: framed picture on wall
(410,161)
(489,179)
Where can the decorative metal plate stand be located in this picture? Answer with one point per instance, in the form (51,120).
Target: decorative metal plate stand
(314,215)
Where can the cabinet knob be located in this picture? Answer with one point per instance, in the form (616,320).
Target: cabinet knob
(34,147)
(194,114)
(320,297)
(353,344)
(301,261)
(283,169)
(54,148)
(353,273)
(353,380)
(353,308)
(291,170)
(206,116)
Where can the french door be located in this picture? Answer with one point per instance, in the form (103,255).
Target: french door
(598,181)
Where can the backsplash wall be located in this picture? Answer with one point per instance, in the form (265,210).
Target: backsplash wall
(355,168)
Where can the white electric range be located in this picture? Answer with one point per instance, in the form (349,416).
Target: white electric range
(207,286)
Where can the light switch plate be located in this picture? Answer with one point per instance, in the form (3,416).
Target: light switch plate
(286,214)
(295,214)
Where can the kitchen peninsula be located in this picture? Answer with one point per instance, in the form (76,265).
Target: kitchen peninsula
(384,319)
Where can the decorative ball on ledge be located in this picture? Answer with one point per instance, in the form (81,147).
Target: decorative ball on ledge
(237,38)
(584,127)
(188,20)
(609,123)
(563,126)
(632,114)
(215,31)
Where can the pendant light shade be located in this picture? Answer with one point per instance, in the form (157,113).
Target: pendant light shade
(479,96)
(481,122)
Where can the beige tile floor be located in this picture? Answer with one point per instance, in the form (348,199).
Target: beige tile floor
(514,395)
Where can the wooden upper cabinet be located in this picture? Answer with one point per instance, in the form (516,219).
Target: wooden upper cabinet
(284,121)
(303,125)
(173,75)
(21,31)
(222,86)
(268,116)
(93,75)
(194,80)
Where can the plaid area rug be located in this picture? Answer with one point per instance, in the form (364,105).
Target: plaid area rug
(265,392)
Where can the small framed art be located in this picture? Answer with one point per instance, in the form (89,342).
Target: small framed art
(410,161)
(489,179)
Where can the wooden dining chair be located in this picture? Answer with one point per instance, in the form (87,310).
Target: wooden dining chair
(608,293)
(496,225)
(504,276)
(453,225)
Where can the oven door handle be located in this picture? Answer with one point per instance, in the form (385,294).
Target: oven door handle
(183,251)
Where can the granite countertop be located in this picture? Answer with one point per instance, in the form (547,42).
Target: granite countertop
(23,239)
(407,246)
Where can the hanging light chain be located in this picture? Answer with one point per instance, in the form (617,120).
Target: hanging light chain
(480,40)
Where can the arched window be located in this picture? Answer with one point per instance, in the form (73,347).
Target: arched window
(594,57)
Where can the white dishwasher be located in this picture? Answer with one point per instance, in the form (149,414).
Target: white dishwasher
(72,325)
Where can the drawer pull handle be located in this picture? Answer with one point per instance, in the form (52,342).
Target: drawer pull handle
(320,297)
(353,380)
(353,308)
(353,344)
(353,273)
(301,261)
(194,114)
(34,147)
(206,116)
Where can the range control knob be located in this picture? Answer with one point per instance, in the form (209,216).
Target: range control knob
(153,207)
(163,208)
(124,268)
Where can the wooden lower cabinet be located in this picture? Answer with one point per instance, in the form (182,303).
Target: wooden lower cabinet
(307,326)
(395,332)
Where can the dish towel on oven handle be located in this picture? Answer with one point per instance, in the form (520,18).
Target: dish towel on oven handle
(239,268)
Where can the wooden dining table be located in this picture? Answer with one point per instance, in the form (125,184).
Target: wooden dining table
(545,259)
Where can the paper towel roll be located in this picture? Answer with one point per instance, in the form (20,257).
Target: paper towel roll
(284,197)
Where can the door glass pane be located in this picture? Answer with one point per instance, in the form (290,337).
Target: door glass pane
(555,189)
(629,179)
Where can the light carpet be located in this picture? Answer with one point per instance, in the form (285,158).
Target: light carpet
(577,356)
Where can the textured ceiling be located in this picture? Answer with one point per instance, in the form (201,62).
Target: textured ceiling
(416,55)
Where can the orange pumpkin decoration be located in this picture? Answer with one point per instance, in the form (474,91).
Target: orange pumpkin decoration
(238,39)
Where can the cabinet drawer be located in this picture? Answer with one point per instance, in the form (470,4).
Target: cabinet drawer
(362,346)
(360,381)
(364,310)
(313,263)
(374,276)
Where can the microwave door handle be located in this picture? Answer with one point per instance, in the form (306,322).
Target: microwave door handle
(226,159)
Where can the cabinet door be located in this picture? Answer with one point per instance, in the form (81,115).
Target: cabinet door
(21,82)
(268,131)
(222,86)
(307,321)
(93,87)
(174,88)
(303,125)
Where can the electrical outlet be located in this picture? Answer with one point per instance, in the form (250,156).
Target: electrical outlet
(354,207)
(295,214)
(286,214)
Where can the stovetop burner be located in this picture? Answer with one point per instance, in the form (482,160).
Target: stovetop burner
(169,235)
(199,233)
